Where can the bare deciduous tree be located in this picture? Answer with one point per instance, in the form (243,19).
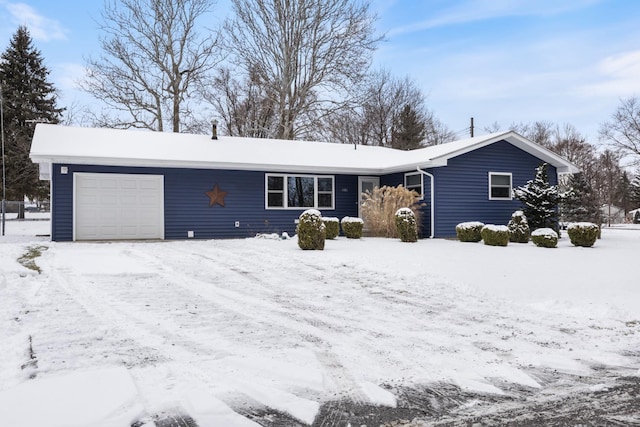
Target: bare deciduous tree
(303,52)
(153,58)
(623,130)
(372,119)
(244,106)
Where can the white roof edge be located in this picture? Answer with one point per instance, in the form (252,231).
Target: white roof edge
(266,167)
(561,164)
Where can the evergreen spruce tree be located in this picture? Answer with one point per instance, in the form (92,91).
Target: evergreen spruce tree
(540,201)
(27,98)
(580,203)
(409,130)
(635,191)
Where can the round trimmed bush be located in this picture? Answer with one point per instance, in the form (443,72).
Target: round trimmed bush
(469,231)
(583,234)
(495,235)
(311,230)
(519,231)
(406,225)
(352,227)
(332,226)
(545,238)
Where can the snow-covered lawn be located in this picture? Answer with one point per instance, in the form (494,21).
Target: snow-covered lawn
(110,333)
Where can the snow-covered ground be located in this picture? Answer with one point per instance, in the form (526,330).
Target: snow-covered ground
(110,334)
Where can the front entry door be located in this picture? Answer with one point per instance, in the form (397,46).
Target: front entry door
(366,184)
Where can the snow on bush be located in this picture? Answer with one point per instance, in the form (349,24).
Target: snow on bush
(406,225)
(332,226)
(469,231)
(380,205)
(352,227)
(495,235)
(583,233)
(519,231)
(311,230)
(545,238)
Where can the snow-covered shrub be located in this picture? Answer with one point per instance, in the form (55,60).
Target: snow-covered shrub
(469,231)
(545,237)
(352,227)
(495,235)
(332,226)
(311,230)
(406,225)
(380,205)
(583,233)
(519,231)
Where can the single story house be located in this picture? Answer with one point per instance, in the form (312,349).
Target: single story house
(109,184)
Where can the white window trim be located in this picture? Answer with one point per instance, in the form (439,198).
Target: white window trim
(421,183)
(510,185)
(285,199)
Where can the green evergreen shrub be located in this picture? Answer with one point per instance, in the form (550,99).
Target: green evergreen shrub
(352,227)
(495,235)
(519,231)
(545,238)
(469,231)
(583,233)
(406,225)
(332,226)
(311,230)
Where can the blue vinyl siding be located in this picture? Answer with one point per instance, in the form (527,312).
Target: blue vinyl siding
(462,187)
(395,179)
(187,206)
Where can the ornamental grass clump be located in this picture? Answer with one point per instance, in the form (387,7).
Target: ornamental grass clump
(469,231)
(352,227)
(332,227)
(380,206)
(495,235)
(545,238)
(406,225)
(311,230)
(583,234)
(519,231)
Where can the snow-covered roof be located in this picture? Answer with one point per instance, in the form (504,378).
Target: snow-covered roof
(113,147)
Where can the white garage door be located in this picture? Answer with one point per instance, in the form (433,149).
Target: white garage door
(118,206)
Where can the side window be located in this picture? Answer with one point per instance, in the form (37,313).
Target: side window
(413,181)
(500,186)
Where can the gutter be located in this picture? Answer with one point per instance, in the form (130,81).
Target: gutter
(432,179)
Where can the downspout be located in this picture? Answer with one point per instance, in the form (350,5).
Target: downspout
(431,179)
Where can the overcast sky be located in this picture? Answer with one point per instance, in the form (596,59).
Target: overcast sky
(505,61)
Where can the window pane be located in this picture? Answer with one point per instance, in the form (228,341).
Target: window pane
(413,180)
(501,180)
(275,200)
(325,184)
(275,183)
(500,192)
(300,190)
(324,200)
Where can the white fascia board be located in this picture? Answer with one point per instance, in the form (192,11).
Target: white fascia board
(130,162)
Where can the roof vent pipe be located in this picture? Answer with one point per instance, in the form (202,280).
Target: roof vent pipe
(214,129)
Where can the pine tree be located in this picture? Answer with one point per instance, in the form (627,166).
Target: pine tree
(540,200)
(27,98)
(580,203)
(409,130)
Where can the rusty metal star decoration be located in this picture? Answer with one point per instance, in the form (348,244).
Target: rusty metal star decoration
(216,196)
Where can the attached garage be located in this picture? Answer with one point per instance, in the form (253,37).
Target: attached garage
(109,206)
